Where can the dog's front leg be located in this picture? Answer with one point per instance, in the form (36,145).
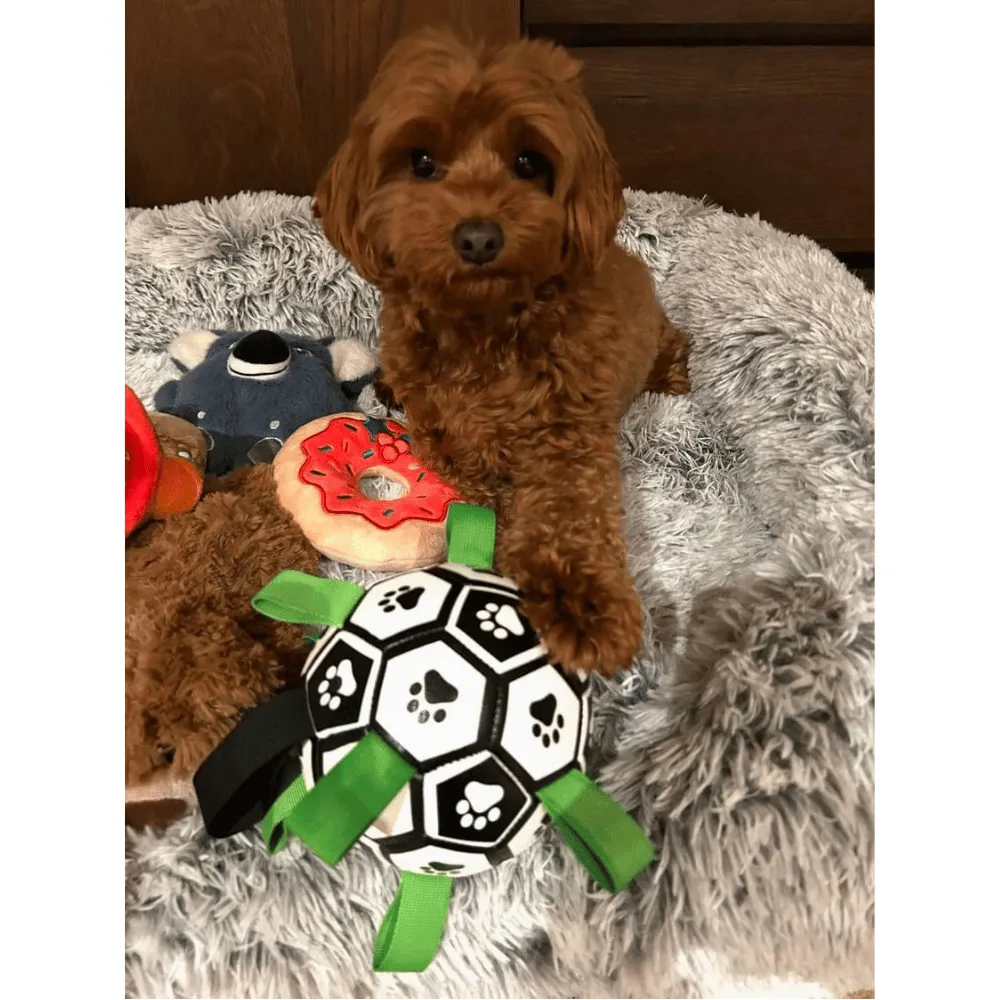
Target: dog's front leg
(560,538)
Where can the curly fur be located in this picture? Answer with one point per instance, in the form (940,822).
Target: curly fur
(196,653)
(513,374)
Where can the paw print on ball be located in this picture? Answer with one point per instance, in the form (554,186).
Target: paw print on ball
(439,868)
(479,805)
(500,619)
(405,597)
(437,691)
(340,676)
(338,683)
(474,802)
(431,701)
(543,727)
(487,622)
(400,606)
(549,723)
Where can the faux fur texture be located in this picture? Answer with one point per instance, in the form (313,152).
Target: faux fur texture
(745,750)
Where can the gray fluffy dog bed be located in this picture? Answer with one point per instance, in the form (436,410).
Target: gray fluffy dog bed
(741,739)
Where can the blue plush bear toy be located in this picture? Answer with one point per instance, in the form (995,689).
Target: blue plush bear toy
(248,392)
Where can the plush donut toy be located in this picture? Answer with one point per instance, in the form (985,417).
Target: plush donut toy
(318,474)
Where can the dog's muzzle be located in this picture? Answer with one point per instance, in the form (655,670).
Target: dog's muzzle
(261,355)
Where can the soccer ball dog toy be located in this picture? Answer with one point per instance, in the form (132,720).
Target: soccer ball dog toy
(432,725)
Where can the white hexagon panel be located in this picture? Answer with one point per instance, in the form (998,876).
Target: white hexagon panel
(395,819)
(487,622)
(542,723)
(528,830)
(340,676)
(432,859)
(474,803)
(404,602)
(585,709)
(430,701)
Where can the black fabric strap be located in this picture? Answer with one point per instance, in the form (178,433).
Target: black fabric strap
(236,782)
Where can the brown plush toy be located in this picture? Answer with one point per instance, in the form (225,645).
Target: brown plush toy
(165,459)
(196,653)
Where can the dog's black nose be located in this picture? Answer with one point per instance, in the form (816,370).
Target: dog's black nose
(259,355)
(477,240)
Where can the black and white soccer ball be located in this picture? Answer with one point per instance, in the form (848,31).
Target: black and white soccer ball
(441,664)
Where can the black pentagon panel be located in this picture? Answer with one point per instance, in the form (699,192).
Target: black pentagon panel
(488,623)
(340,678)
(479,806)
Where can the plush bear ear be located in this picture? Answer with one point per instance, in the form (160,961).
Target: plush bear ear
(353,365)
(188,349)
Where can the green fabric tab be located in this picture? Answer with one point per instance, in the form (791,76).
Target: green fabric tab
(604,838)
(349,798)
(471,532)
(304,599)
(412,929)
(272,825)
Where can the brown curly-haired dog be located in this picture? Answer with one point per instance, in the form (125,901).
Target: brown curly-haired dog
(197,655)
(476,190)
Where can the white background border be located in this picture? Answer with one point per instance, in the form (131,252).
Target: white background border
(938,279)
(938,599)
(62,700)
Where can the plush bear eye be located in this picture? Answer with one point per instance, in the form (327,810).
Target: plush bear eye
(422,163)
(530,165)
(300,350)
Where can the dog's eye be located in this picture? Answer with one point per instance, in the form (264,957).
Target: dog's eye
(422,163)
(530,164)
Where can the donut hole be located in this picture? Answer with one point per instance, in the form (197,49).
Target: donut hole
(376,486)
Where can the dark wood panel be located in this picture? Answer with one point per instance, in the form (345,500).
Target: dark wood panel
(230,95)
(784,131)
(210,100)
(699,11)
(603,35)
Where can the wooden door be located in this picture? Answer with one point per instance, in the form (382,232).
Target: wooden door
(224,96)
(759,105)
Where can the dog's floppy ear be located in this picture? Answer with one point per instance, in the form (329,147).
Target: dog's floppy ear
(353,365)
(594,202)
(338,202)
(190,348)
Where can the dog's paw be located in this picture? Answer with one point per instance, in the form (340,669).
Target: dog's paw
(588,622)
